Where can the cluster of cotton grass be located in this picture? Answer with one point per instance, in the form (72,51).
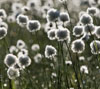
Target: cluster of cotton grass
(50,44)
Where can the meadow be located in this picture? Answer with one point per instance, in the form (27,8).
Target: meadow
(50,44)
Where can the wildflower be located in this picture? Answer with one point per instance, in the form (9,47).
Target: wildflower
(84,69)
(52,15)
(68,62)
(63,34)
(97,32)
(86,19)
(23,52)
(50,51)
(3,24)
(10,60)
(20,44)
(22,19)
(78,31)
(13,73)
(16,7)
(11,19)
(78,46)
(33,25)
(37,58)
(81,58)
(89,29)
(95,46)
(51,34)
(34,4)
(35,47)
(3,32)
(64,17)
(3,14)
(13,49)
(24,61)
(92,11)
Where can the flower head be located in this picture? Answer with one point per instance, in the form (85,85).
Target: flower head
(63,34)
(86,19)
(92,11)
(20,44)
(10,60)
(51,34)
(95,47)
(3,14)
(78,31)
(78,46)
(33,25)
(50,51)
(52,15)
(35,47)
(3,32)
(37,58)
(13,73)
(64,17)
(97,32)
(22,19)
(84,69)
(24,61)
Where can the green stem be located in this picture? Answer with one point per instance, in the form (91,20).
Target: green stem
(13,84)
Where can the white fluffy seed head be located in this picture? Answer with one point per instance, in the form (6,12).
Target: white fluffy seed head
(21,44)
(78,31)
(78,46)
(97,32)
(37,58)
(35,47)
(10,60)
(84,69)
(51,34)
(3,32)
(3,24)
(13,49)
(64,17)
(92,11)
(50,51)
(68,62)
(22,20)
(13,73)
(24,61)
(23,52)
(86,19)
(33,25)
(95,47)
(16,7)
(81,58)
(52,15)
(63,34)
(3,14)
(34,4)
(11,19)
